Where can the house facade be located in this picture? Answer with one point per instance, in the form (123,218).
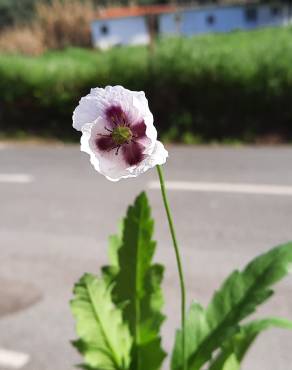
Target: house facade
(130,26)
(224,18)
(127,25)
(120,31)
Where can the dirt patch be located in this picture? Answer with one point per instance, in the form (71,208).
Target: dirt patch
(16,296)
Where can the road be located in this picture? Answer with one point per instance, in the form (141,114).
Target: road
(56,214)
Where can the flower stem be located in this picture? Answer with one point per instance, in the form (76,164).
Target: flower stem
(179,264)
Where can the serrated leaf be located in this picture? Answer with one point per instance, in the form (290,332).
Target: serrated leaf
(239,344)
(231,363)
(105,341)
(238,297)
(137,284)
(196,328)
(110,272)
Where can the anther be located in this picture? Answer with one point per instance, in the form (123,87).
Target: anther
(117,151)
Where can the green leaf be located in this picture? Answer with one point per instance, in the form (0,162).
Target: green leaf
(105,341)
(231,363)
(196,328)
(241,341)
(237,298)
(137,284)
(110,272)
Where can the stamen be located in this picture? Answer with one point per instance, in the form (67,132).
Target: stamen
(107,129)
(113,118)
(117,151)
(110,149)
(124,119)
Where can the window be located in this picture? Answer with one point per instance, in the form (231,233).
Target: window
(104,29)
(210,19)
(275,11)
(251,14)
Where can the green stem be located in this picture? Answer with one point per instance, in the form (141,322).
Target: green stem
(179,264)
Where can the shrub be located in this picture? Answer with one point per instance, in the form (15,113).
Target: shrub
(57,25)
(66,23)
(15,12)
(214,87)
(25,40)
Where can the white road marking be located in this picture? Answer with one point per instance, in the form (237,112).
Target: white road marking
(225,187)
(16,178)
(13,360)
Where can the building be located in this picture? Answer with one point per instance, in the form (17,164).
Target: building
(224,18)
(136,25)
(127,25)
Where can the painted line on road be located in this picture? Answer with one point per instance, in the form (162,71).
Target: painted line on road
(223,187)
(15,178)
(13,360)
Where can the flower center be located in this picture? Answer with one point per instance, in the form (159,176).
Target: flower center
(121,135)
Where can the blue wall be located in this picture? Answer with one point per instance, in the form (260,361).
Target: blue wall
(223,19)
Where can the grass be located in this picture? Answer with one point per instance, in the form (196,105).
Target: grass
(223,87)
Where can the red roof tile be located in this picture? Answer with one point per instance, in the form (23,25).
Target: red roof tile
(134,11)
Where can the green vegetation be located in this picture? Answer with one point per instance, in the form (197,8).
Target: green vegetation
(16,11)
(134,300)
(219,326)
(224,87)
(118,313)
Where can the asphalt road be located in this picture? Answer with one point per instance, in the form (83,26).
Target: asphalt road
(55,218)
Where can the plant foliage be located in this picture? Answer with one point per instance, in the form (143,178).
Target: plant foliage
(239,296)
(119,315)
(247,75)
(238,345)
(105,340)
(136,284)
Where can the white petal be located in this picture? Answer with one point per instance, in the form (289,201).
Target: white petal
(159,154)
(84,140)
(86,112)
(90,118)
(141,104)
(157,157)
(107,163)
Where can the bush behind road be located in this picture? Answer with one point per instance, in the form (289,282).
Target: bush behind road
(234,86)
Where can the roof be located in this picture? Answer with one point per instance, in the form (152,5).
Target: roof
(142,10)
(134,11)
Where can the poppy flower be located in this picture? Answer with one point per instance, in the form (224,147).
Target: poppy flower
(118,132)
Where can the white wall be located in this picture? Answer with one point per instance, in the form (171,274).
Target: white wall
(121,31)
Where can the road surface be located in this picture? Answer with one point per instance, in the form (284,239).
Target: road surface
(56,213)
